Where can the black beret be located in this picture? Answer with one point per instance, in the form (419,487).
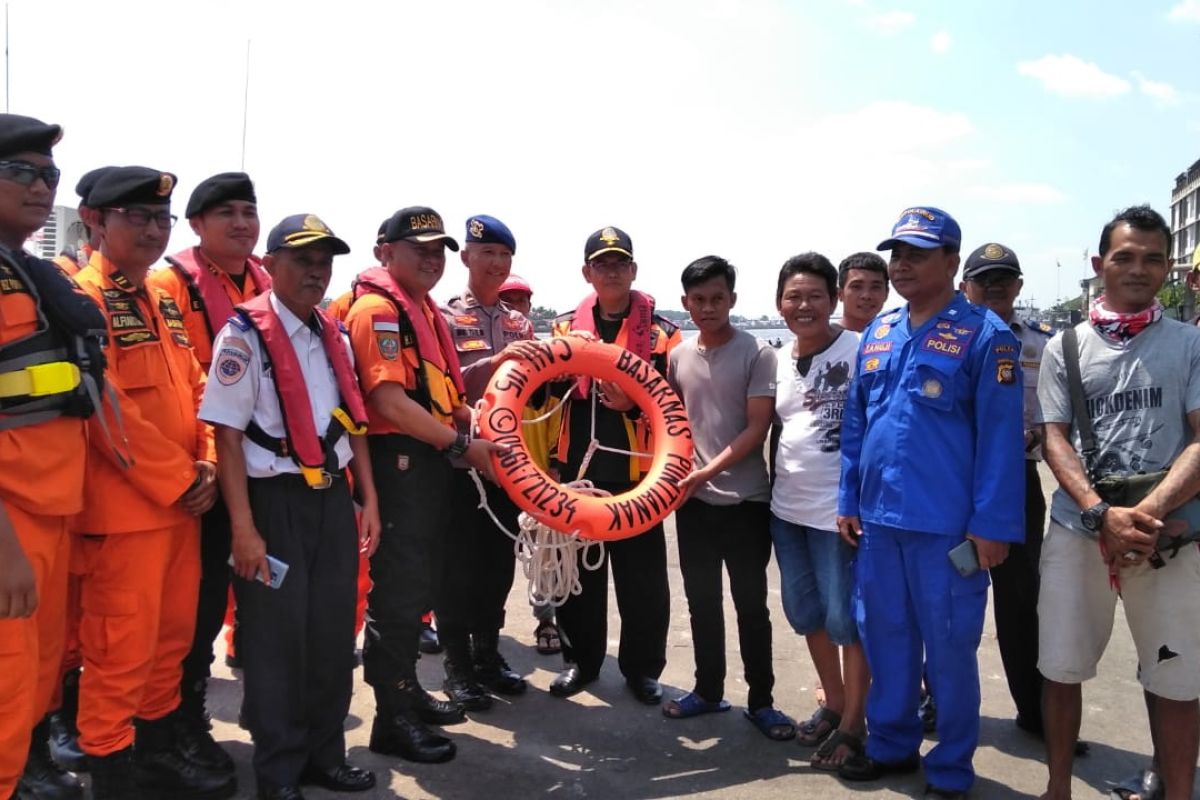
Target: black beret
(122,185)
(84,187)
(26,135)
(220,189)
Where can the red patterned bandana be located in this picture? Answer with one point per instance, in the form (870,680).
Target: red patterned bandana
(1119,327)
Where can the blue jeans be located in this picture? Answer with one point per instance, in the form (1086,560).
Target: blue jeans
(816,570)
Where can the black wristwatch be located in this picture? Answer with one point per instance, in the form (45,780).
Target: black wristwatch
(459,448)
(1093,518)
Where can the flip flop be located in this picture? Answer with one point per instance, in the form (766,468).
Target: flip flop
(692,705)
(1146,785)
(820,759)
(822,723)
(773,723)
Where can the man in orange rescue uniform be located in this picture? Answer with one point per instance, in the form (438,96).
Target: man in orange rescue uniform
(138,548)
(411,378)
(42,445)
(206,281)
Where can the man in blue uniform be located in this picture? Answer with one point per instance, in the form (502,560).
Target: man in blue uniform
(931,457)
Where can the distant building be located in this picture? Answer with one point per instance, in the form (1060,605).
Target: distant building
(62,231)
(1185,217)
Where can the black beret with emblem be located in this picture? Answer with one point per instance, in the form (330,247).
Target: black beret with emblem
(301,230)
(122,186)
(26,135)
(84,187)
(418,224)
(218,189)
(608,240)
(989,257)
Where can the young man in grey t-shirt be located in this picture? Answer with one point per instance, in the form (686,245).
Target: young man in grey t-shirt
(1141,387)
(726,378)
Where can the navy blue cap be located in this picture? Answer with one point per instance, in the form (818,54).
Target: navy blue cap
(84,187)
(926,227)
(26,135)
(221,188)
(608,240)
(120,186)
(989,257)
(483,229)
(301,230)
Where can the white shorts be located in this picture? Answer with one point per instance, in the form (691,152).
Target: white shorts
(1076,606)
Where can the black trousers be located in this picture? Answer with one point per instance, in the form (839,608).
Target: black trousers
(214,596)
(1014,605)
(478,566)
(297,643)
(639,573)
(415,486)
(737,537)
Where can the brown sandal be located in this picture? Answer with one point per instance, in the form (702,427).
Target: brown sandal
(821,759)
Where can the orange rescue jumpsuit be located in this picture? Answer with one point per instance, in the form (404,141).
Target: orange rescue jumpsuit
(41,486)
(137,550)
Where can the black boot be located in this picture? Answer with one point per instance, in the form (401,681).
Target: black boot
(194,730)
(397,732)
(163,768)
(64,735)
(461,685)
(43,779)
(112,776)
(425,706)
(491,668)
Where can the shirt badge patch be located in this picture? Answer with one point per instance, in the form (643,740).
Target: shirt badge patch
(877,347)
(931,388)
(470,345)
(231,365)
(389,344)
(1006,372)
(402,463)
(871,364)
(935,344)
(882,331)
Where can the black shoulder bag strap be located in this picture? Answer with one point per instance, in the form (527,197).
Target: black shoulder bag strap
(1083,421)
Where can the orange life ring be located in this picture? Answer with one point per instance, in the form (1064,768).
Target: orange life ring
(560,507)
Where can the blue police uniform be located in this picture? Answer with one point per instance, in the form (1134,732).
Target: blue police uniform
(932,448)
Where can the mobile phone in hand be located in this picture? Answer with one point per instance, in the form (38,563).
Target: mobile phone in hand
(964,558)
(278,570)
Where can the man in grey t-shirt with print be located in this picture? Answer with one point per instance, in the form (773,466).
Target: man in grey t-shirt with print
(726,378)
(1141,387)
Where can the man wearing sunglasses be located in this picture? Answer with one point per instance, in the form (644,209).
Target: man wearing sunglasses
(137,543)
(42,413)
(206,281)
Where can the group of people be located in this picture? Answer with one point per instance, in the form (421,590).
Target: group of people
(162,431)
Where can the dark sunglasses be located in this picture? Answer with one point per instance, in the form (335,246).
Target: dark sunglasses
(24,173)
(140,217)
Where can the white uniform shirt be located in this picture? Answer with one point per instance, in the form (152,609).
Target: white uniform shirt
(241,388)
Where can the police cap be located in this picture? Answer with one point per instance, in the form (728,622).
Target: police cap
(991,256)
(219,189)
(124,185)
(26,135)
(482,229)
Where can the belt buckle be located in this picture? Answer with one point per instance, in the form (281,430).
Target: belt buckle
(326,480)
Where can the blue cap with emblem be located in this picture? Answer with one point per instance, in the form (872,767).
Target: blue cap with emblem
(926,227)
(482,229)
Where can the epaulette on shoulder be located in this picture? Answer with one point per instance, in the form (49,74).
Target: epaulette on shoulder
(239,322)
(889,316)
(667,325)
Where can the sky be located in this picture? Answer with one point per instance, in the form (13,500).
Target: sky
(751,129)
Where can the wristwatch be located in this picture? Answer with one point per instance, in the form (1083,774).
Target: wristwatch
(459,448)
(1093,517)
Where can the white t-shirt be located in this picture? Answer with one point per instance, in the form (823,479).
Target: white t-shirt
(809,407)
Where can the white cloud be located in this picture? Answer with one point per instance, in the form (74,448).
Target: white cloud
(1164,93)
(1185,11)
(1040,194)
(939,42)
(891,22)
(1071,76)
